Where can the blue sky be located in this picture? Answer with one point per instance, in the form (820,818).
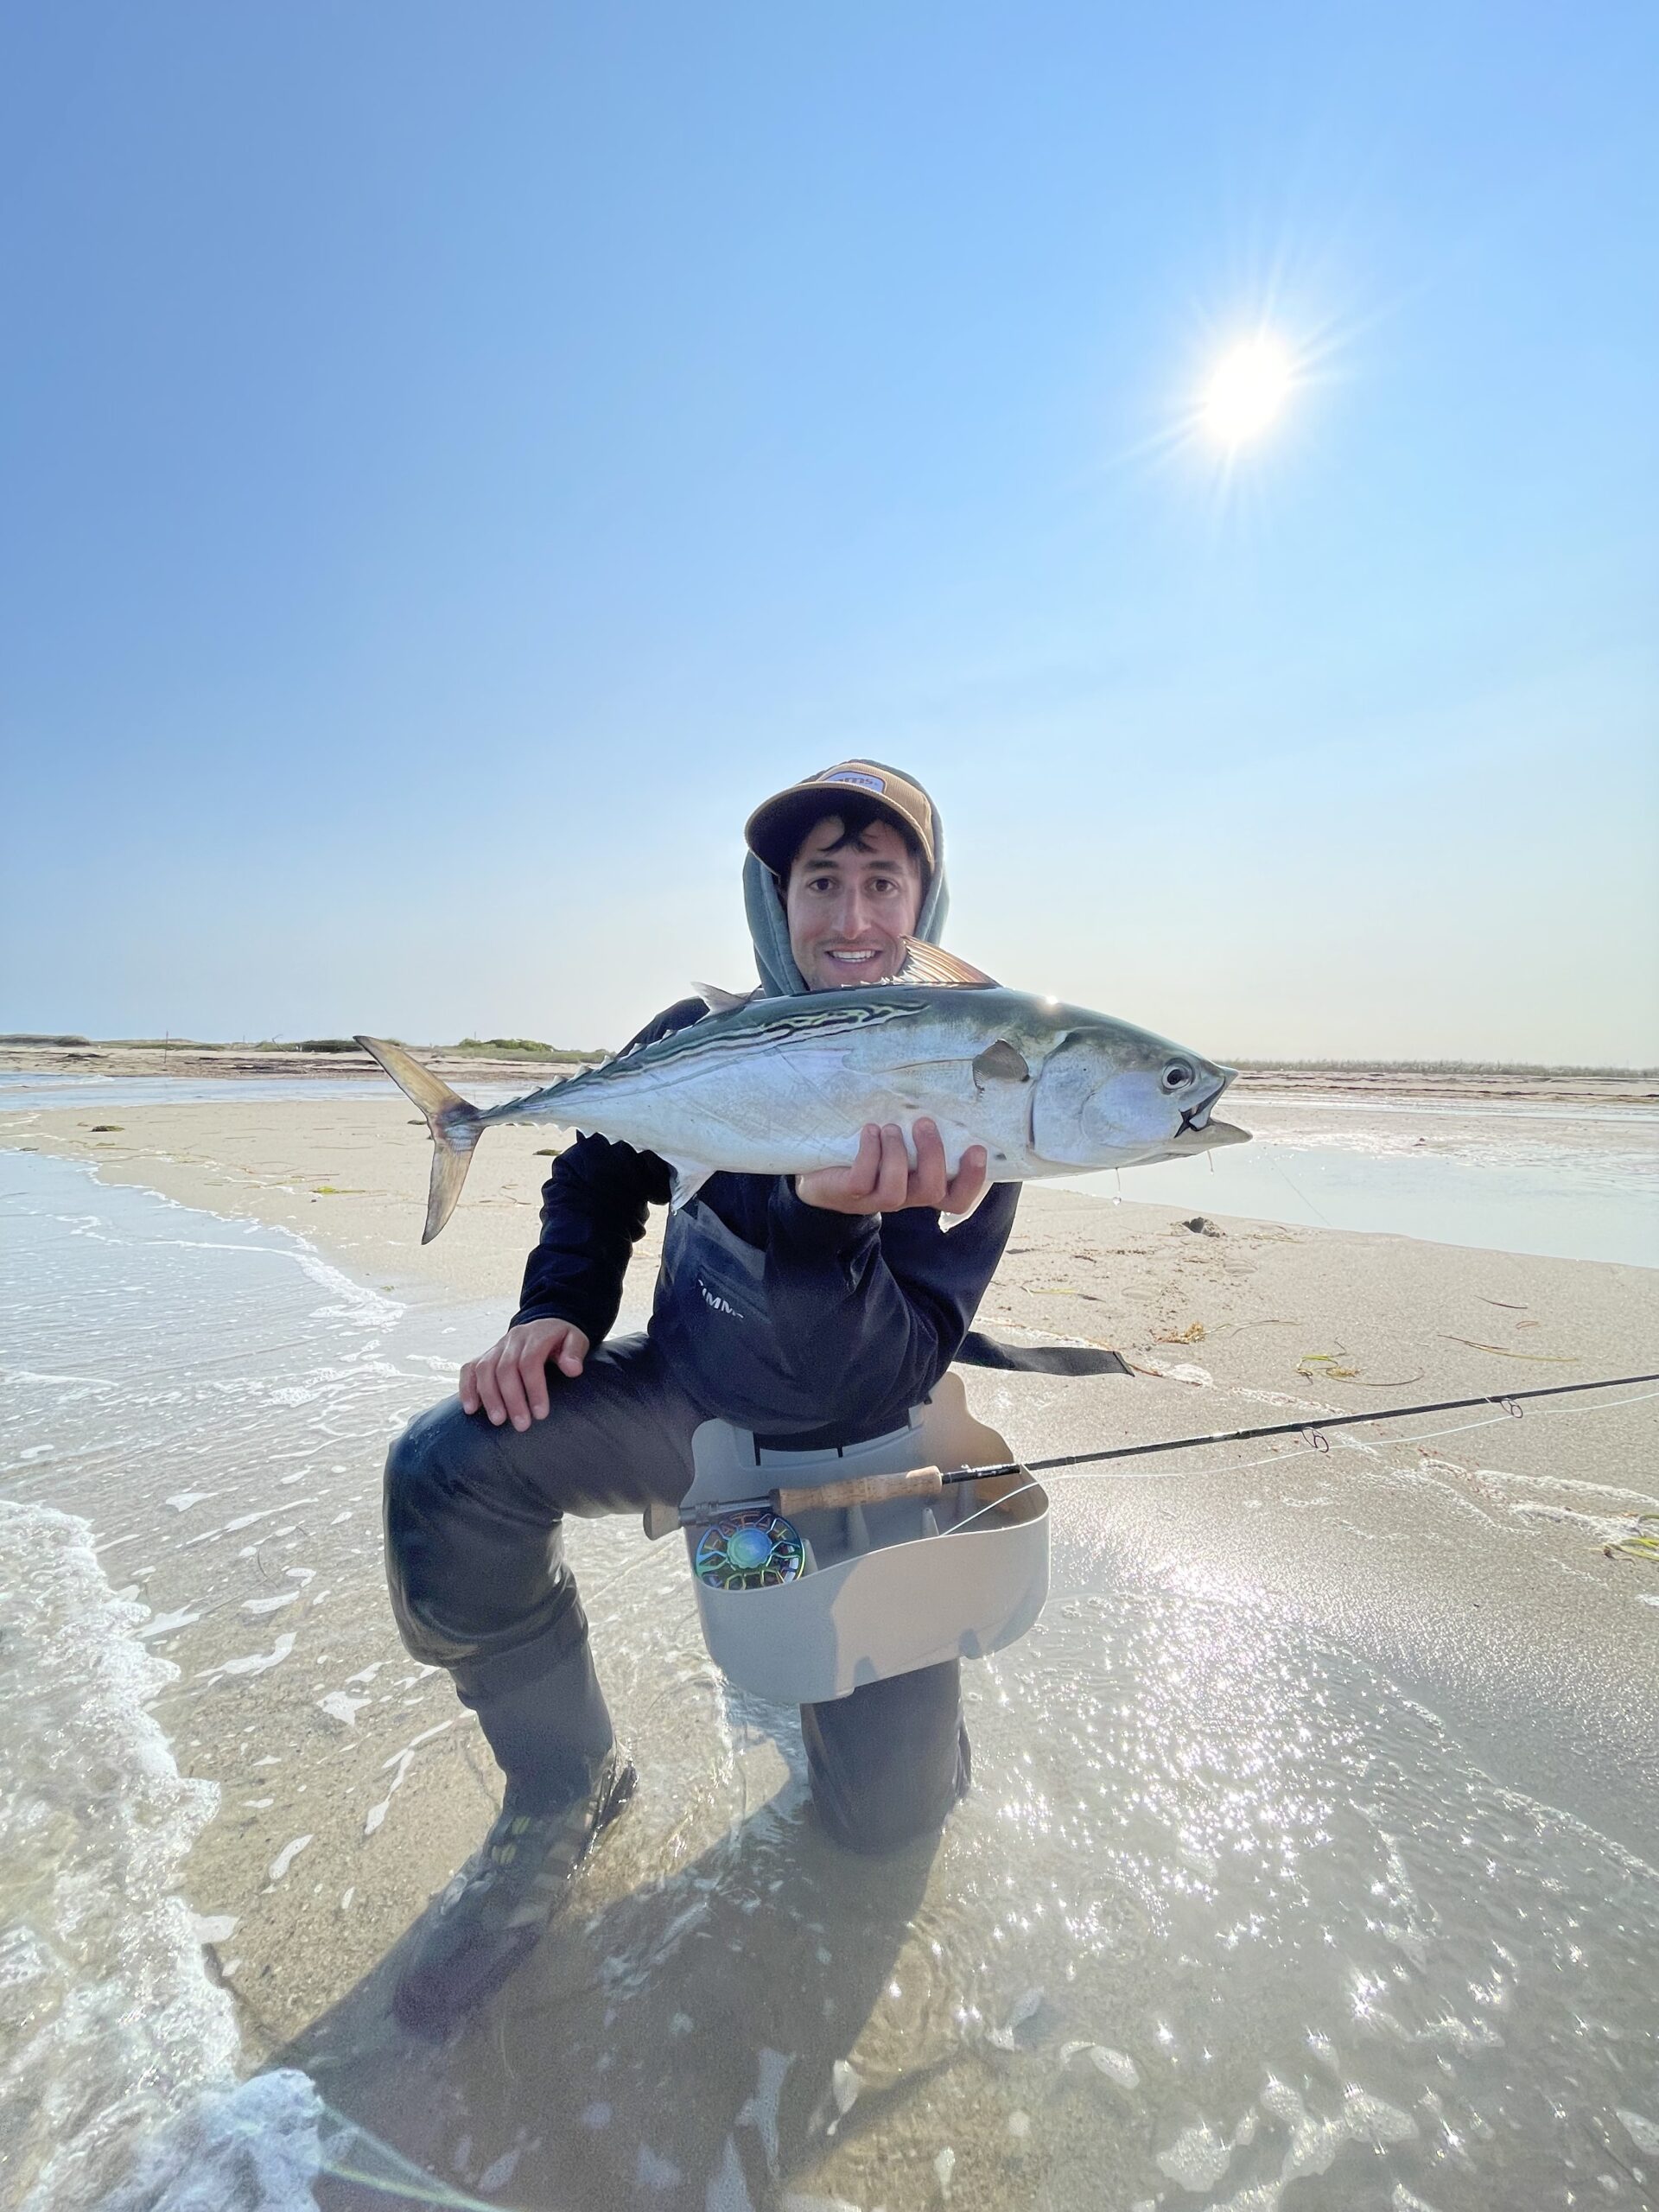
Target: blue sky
(456,461)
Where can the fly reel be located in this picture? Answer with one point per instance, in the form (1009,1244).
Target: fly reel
(753,1550)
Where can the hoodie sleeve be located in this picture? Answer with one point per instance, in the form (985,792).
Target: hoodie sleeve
(594,1210)
(594,1206)
(876,1306)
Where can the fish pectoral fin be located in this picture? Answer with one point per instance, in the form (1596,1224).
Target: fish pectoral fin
(689,1176)
(1000,1063)
(719,1001)
(931,964)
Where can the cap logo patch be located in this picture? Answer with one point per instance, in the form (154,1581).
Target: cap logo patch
(876,784)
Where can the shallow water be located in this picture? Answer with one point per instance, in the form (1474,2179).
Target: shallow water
(1223,1914)
(32,1092)
(1227,1921)
(1564,1182)
(47,1089)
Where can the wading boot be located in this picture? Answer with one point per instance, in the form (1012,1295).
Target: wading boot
(497,1907)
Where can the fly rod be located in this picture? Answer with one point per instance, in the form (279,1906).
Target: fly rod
(928,1482)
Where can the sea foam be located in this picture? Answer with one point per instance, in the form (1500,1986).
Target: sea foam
(114,2034)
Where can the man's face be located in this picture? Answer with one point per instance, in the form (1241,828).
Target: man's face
(851,911)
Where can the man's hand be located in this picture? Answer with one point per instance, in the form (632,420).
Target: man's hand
(510,1380)
(882,1181)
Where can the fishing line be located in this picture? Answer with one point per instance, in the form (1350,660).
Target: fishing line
(405,2180)
(592,1597)
(1503,1400)
(1278,1459)
(1284,1173)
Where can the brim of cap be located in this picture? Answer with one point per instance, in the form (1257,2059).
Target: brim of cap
(773,832)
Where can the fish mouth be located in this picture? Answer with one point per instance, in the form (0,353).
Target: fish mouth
(1198,1130)
(1196,1119)
(1195,1137)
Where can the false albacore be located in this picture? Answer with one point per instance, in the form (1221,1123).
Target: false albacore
(782,1086)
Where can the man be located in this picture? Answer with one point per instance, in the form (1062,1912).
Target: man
(850,1302)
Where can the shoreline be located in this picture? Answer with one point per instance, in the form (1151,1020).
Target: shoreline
(1634,1087)
(349,1174)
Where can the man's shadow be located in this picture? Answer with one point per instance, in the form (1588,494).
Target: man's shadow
(675,2046)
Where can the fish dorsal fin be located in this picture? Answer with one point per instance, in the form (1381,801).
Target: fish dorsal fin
(931,963)
(719,1001)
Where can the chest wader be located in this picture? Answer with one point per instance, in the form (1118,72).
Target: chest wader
(857,1613)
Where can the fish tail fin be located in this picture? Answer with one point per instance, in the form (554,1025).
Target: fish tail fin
(455,1126)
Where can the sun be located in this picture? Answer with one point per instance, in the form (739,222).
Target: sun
(1247,390)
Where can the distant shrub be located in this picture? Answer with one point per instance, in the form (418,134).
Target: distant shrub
(517,1048)
(26,1037)
(327,1044)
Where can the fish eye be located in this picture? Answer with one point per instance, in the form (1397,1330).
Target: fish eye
(1179,1074)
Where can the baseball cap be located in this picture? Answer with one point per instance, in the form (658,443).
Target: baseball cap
(774,831)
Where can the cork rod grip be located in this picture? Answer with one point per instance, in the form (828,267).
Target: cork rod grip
(861,1490)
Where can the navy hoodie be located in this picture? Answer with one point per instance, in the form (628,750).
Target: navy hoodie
(872,1308)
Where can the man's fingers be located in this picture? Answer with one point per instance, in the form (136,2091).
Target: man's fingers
(489,1388)
(893,1181)
(532,1371)
(851,1189)
(866,1171)
(927,1185)
(968,1182)
(510,1384)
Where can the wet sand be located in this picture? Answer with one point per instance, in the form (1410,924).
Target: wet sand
(1472,1571)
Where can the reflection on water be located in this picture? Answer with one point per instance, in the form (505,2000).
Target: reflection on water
(1221,1914)
(1562,1183)
(1226,1923)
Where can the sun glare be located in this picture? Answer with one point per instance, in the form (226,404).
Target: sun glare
(1247,391)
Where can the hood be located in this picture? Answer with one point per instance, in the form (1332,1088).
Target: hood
(763,903)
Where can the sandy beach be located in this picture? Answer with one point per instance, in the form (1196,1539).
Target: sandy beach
(1476,1572)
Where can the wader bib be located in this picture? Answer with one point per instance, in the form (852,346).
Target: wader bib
(712,1318)
(882,1590)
